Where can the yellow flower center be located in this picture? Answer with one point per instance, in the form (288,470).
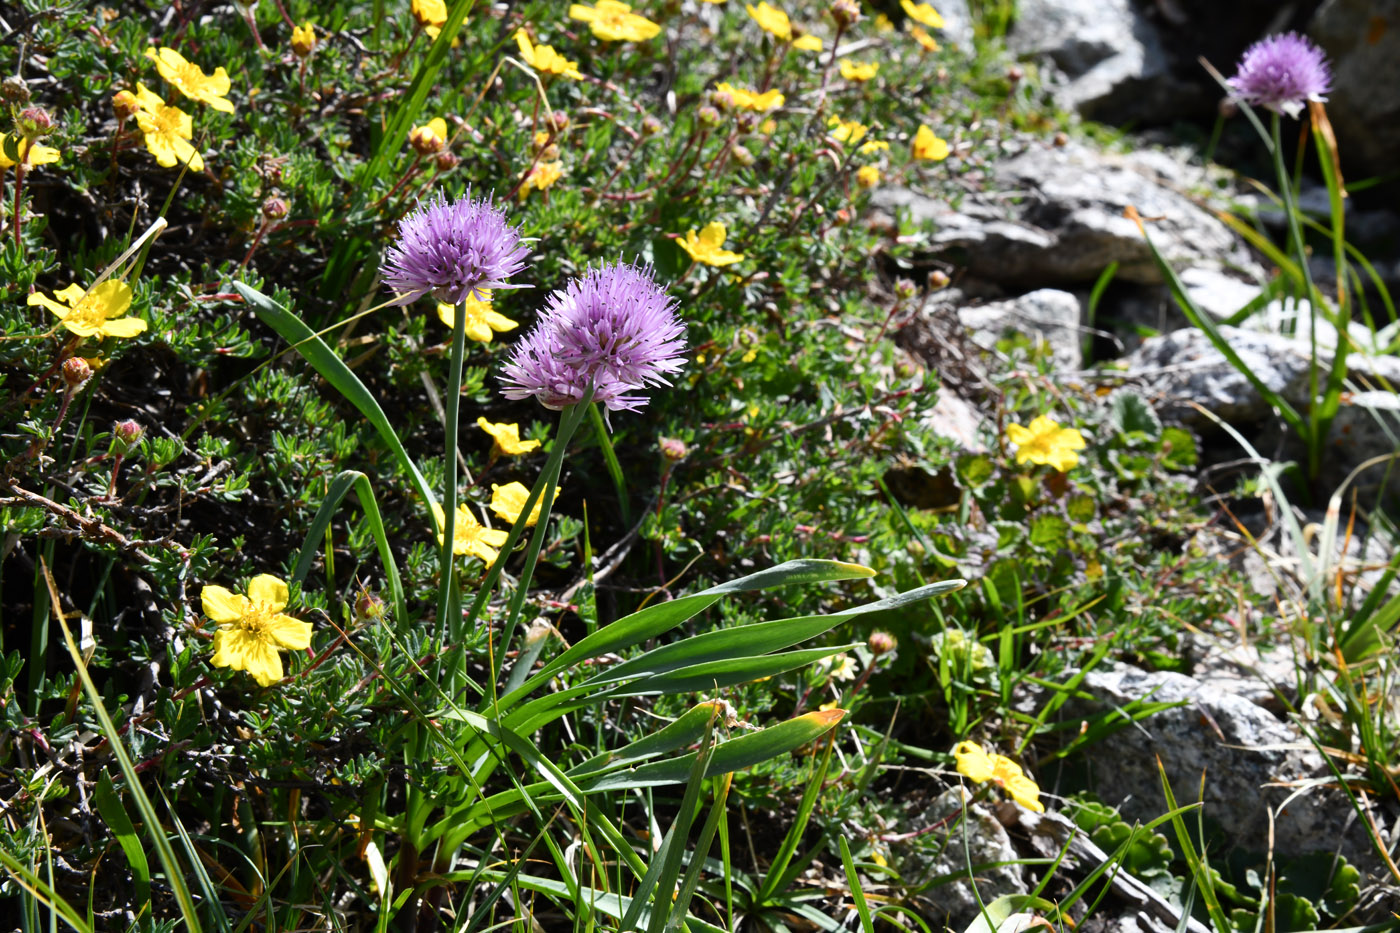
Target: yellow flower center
(89,312)
(167,121)
(257,620)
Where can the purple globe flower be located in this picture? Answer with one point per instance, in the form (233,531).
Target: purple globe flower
(1281,72)
(453,249)
(613,328)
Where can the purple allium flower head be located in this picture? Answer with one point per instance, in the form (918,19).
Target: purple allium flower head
(453,249)
(613,327)
(1281,72)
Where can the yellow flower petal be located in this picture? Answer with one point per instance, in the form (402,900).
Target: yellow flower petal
(808,43)
(507,437)
(222,605)
(922,13)
(268,591)
(973,763)
(928,146)
(289,633)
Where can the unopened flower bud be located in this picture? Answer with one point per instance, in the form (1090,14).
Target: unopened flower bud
(937,279)
(124,103)
(13,90)
(425,142)
(1015,73)
(1061,140)
(746,122)
(369,607)
(708,115)
(673,448)
(841,217)
(76,372)
(446,161)
(275,208)
(845,12)
(34,122)
(1228,107)
(881,643)
(127,433)
(742,155)
(904,289)
(650,125)
(538,630)
(559,121)
(722,100)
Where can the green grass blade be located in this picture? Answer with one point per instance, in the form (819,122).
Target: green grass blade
(600,431)
(1196,862)
(686,893)
(109,807)
(867,924)
(41,893)
(777,869)
(333,369)
(173,872)
(335,494)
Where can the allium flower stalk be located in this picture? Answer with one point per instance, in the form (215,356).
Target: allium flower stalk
(453,249)
(1282,73)
(613,328)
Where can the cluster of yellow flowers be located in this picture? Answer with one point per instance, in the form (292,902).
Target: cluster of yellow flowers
(168,130)
(976,765)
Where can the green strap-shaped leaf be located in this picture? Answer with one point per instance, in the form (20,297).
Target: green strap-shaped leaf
(333,369)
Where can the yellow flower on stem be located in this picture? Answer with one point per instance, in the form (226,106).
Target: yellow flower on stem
(745,99)
(849,132)
(30,154)
(469,536)
(303,39)
(922,13)
(772,20)
(481,319)
(874,145)
(1047,443)
(868,176)
(612,21)
(508,502)
(858,71)
(926,41)
(706,246)
(430,14)
(544,59)
(429,138)
(540,177)
(507,437)
(928,146)
(167,130)
(808,43)
(96,313)
(190,80)
(252,628)
(979,767)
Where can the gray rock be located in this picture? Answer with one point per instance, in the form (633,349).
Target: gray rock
(1058,220)
(979,839)
(957,23)
(955,418)
(1216,293)
(1362,41)
(1110,56)
(1044,314)
(1240,747)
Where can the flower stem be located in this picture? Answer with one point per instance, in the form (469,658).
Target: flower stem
(447,559)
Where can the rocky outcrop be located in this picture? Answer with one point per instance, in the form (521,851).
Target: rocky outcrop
(1362,40)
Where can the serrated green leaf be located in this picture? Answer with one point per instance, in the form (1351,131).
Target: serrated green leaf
(1050,532)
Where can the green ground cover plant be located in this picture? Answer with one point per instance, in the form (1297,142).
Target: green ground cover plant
(308,624)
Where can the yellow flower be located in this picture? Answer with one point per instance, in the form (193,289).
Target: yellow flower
(481,318)
(507,437)
(612,21)
(431,14)
(928,42)
(929,146)
(191,81)
(979,767)
(508,502)
(842,667)
(858,71)
(749,100)
(429,138)
(883,23)
(868,176)
(167,131)
(808,43)
(705,246)
(303,39)
(847,131)
(771,20)
(874,145)
(96,313)
(469,536)
(252,628)
(544,59)
(541,177)
(922,13)
(30,154)
(1046,442)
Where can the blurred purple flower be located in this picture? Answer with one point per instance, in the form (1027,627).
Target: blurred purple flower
(453,249)
(614,327)
(1282,72)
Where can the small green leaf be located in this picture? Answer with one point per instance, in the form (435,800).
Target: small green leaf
(1131,415)
(1178,449)
(1081,508)
(1050,532)
(975,469)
